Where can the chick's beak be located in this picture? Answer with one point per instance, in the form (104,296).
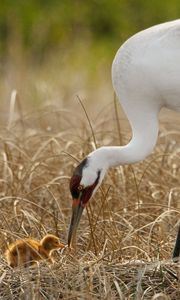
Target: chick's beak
(77,209)
(61,246)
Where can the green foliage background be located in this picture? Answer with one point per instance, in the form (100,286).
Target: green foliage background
(69,44)
(43,26)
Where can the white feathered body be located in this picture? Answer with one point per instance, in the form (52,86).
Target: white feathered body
(146,77)
(146,69)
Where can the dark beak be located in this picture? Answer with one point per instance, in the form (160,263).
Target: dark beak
(77,209)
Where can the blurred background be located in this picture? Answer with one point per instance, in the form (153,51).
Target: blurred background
(53,50)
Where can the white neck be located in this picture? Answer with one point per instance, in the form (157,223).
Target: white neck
(141,145)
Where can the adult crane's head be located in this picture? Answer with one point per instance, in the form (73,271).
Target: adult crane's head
(84,182)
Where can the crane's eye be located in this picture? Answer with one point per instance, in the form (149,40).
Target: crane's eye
(80,187)
(74,186)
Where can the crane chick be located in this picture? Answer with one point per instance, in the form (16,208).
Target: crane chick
(28,251)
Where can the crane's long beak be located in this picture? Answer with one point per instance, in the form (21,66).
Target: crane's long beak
(77,209)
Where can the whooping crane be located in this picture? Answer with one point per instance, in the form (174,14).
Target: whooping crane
(146,77)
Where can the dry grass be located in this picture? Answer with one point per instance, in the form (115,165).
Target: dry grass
(127,233)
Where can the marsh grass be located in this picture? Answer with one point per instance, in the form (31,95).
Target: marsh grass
(127,233)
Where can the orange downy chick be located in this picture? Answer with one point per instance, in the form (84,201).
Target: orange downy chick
(28,251)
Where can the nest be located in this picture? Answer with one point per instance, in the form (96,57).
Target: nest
(127,232)
(91,278)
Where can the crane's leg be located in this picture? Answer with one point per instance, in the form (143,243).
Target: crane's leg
(176,251)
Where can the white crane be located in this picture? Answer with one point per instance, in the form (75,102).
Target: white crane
(146,77)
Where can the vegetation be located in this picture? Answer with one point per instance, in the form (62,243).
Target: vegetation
(44,43)
(127,233)
(51,52)
(43,26)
